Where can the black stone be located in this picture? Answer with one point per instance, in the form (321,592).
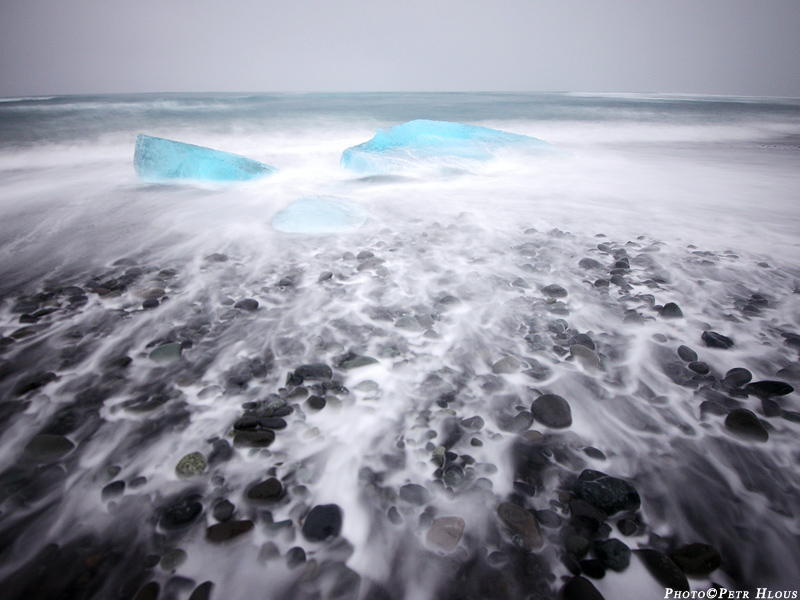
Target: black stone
(249,438)
(580,588)
(316,371)
(415,494)
(113,490)
(248,304)
(614,554)
(150,303)
(323,522)
(590,263)
(272,423)
(738,377)
(548,518)
(181,514)
(768,389)
(712,339)
(202,591)
(295,557)
(661,567)
(316,402)
(554,291)
(223,510)
(224,532)
(671,311)
(607,493)
(697,559)
(269,490)
(592,452)
(593,568)
(627,527)
(745,424)
(552,410)
(699,367)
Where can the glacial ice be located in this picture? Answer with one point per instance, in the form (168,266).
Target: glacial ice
(320,214)
(158,160)
(395,149)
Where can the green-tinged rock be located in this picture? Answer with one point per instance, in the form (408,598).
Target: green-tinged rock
(167,353)
(191,465)
(45,448)
(357,362)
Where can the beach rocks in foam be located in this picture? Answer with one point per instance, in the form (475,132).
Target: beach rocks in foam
(158,160)
(320,214)
(396,149)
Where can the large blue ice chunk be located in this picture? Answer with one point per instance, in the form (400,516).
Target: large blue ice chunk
(320,214)
(158,160)
(397,148)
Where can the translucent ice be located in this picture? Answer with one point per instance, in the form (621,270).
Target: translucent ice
(158,160)
(404,145)
(320,214)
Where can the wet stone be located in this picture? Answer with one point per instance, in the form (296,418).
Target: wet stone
(627,527)
(687,354)
(745,424)
(520,423)
(521,522)
(248,304)
(149,591)
(613,554)
(316,402)
(590,263)
(699,367)
(697,559)
(224,532)
(445,533)
(323,522)
(712,339)
(314,371)
(191,465)
(253,439)
(593,568)
(738,377)
(768,389)
(46,448)
(548,518)
(577,545)
(181,514)
(475,423)
(592,452)
(358,362)
(269,490)
(415,494)
(150,303)
(663,569)
(202,591)
(223,510)
(507,365)
(580,588)
(167,353)
(554,291)
(173,559)
(607,493)
(295,557)
(671,311)
(246,422)
(115,489)
(585,356)
(552,410)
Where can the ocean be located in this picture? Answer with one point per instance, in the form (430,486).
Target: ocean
(520,377)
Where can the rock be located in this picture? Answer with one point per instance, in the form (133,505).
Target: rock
(712,339)
(745,424)
(167,353)
(415,494)
(613,554)
(316,402)
(593,568)
(697,559)
(586,357)
(699,367)
(181,514)
(269,490)
(768,389)
(249,438)
(590,263)
(150,303)
(173,559)
(224,532)
(47,448)
(223,510)
(33,381)
(552,410)
(445,533)
(314,371)
(202,591)
(149,591)
(548,518)
(738,377)
(520,423)
(272,423)
(508,364)
(191,465)
(295,556)
(663,570)
(453,476)
(521,522)
(583,340)
(554,291)
(580,588)
(115,489)
(607,493)
(671,311)
(520,283)
(687,354)
(475,423)
(576,545)
(248,304)
(595,453)
(323,522)
(357,362)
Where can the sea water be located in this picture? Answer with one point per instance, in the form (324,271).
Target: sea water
(141,323)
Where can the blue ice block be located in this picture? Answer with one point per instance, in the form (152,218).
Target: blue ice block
(401,146)
(158,160)
(320,214)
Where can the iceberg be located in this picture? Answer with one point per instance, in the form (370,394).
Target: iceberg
(399,147)
(158,160)
(320,214)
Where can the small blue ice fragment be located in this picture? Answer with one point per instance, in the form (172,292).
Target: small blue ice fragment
(398,147)
(320,214)
(158,160)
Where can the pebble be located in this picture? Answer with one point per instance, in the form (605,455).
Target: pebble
(323,522)
(248,304)
(661,567)
(593,568)
(46,448)
(671,311)
(173,559)
(223,510)
(580,588)
(590,263)
(607,493)
(314,371)
(224,532)
(552,410)
(269,490)
(697,560)
(699,367)
(249,438)
(768,389)
(738,377)
(191,465)
(585,356)
(522,522)
(295,556)
(745,424)
(181,514)
(506,365)
(415,494)
(115,489)
(445,533)
(554,291)
(712,339)
(687,354)
(475,423)
(202,591)
(358,362)
(613,554)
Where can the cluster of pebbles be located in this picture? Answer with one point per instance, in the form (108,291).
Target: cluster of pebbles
(169,432)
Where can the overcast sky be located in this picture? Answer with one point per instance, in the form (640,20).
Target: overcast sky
(736,47)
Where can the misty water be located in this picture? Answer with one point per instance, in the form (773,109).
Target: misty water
(141,323)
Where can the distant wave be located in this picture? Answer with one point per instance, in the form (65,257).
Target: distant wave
(28,98)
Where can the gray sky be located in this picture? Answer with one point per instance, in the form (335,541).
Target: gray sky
(738,47)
